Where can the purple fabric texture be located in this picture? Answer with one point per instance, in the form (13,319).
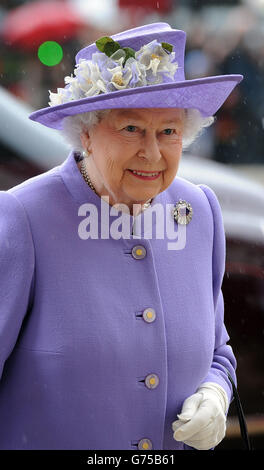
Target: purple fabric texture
(74,347)
(206,94)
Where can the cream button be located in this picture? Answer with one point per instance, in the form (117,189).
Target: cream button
(139,252)
(151,381)
(145,444)
(149,315)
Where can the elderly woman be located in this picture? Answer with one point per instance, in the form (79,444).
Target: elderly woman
(115,339)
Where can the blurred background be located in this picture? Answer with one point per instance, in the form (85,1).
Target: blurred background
(223,37)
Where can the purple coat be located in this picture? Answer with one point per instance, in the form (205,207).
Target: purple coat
(77,348)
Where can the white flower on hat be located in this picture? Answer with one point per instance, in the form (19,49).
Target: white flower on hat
(118,56)
(88,81)
(58,98)
(73,88)
(120,77)
(157,60)
(117,70)
(95,84)
(132,75)
(138,70)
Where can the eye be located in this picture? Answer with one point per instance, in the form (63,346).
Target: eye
(169,131)
(130,128)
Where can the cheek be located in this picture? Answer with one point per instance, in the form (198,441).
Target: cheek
(109,166)
(173,161)
(113,168)
(114,155)
(173,157)
(118,160)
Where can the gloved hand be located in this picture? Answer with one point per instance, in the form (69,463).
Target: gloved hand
(202,421)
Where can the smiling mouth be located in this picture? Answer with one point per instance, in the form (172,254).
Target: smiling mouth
(145,173)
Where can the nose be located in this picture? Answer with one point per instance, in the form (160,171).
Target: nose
(150,148)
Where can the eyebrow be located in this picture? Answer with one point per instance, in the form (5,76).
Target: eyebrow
(135,115)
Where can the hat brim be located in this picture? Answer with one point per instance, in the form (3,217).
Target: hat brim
(205,94)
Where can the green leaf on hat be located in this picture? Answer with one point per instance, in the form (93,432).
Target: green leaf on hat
(168,47)
(101,42)
(111,47)
(129,53)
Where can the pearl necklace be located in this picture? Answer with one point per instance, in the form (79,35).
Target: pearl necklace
(88,181)
(86,176)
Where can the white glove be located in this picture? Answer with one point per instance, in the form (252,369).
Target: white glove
(202,421)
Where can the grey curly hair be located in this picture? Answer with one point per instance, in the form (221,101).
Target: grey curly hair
(73,126)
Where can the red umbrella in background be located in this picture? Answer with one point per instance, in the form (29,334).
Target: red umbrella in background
(31,24)
(137,10)
(161,6)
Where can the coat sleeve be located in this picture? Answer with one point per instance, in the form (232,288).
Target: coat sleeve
(16,271)
(223,354)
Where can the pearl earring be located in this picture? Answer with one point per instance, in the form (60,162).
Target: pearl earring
(85,154)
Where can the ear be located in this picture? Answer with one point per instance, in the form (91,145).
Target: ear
(85,139)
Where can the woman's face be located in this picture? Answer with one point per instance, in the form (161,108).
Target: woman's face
(127,140)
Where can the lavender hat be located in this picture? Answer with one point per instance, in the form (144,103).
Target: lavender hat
(142,67)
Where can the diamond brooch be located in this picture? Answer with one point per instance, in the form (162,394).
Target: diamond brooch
(182,212)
